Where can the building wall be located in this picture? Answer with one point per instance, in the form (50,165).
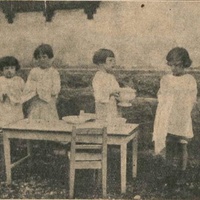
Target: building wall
(140,35)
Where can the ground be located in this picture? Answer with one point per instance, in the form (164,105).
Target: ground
(47,178)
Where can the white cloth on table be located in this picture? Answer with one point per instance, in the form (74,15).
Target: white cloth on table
(176,97)
(11,107)
(42,87)
(104,84)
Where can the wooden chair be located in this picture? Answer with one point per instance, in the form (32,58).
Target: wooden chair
(87,155)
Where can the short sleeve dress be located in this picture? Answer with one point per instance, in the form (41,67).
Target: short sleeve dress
(176,97)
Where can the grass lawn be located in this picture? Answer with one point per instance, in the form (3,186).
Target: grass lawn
(48,179)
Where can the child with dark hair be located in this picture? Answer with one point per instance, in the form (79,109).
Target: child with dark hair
(11,88)
(104,84)
(43,86)
(44,49)
(173,123)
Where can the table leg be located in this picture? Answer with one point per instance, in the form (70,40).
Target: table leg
(29,148)
(2,167)
(29,153)
(134,156)
(123,149)
(7,158)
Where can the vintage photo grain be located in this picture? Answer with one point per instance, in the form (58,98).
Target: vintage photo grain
(99,99)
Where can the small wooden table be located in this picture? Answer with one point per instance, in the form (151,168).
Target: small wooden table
(61,131)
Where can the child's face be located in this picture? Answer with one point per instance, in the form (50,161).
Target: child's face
(9,71)
(44,61)
(109,64)
(177,69)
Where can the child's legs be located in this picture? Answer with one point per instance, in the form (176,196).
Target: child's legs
(183,159)
(170,170)
(183,154)
(170,148)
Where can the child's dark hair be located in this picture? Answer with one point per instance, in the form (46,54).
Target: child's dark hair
(43,49)
(101,55)
(178,56)
(9,61)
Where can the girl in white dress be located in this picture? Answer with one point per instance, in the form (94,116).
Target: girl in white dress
(43,86)
(105,85)
(42,89)
(176,97)
(11,88)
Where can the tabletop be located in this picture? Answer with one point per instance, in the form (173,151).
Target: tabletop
(62,126)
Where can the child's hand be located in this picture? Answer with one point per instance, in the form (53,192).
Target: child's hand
(117,97)
(115,94)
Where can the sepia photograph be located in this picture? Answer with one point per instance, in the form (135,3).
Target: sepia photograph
(100,99)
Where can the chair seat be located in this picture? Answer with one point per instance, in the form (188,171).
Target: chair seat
(85,156)
(86,146)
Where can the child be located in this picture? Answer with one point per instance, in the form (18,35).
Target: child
(176,97)
(105,85)
(11,88)
(43,86)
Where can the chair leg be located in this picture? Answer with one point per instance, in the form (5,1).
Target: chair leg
(99,178)
(95,175)
(71,183)
(2,167)
(104,182)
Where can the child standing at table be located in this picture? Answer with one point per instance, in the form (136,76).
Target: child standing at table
(42,89)
(105,85)
(173,123)
(43,86)
(11,88)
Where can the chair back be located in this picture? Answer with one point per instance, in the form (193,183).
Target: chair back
(81,139)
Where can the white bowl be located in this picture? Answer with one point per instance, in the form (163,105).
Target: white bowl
(126,95)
